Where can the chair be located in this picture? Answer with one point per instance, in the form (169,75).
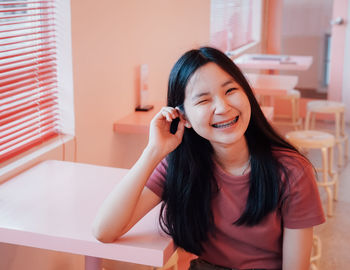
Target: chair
(312,139)
(337,109)
(294,118)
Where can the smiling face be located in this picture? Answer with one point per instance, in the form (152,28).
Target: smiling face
(216,106)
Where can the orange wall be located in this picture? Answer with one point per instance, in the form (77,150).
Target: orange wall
(110,41)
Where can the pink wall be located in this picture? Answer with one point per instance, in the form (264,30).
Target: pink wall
(110,41)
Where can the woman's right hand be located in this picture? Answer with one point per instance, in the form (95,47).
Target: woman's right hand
(161,139)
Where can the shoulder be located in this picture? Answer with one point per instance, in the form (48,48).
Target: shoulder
(294,163)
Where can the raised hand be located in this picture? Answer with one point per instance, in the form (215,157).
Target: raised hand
(160,137)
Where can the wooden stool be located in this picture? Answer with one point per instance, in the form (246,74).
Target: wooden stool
(312,139)
(316,253)
(293,96)
(330,107)
(294,119)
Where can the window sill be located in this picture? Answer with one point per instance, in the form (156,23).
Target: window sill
(60,148)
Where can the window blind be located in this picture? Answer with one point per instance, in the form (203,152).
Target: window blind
(28,75)
(231,23)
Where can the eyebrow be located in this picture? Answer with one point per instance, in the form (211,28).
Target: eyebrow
(207,93)
(227,82)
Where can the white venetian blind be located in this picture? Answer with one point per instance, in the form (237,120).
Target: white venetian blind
(28,75)
(231,23)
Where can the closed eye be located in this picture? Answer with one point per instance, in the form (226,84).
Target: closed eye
(231,90)
(202,101)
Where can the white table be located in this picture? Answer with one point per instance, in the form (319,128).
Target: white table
(53,204)
(273,62)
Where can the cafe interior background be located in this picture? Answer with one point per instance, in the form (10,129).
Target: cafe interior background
(101,46)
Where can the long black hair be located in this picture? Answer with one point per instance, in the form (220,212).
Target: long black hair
(190,185)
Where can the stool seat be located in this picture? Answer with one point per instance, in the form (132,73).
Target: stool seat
(311,138)
(325,106)
(292,93)
(338,110)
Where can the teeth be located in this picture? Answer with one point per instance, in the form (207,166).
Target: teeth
(227,124)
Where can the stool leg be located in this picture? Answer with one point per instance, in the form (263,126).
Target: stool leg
(293,113)
(313,120)
(343,134)
(337,138)
(333,175)
(342,124)
(325,181)
(307,120)
(297,114)
(346,148)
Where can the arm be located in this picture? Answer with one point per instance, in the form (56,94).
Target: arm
(130,200)
(297,245)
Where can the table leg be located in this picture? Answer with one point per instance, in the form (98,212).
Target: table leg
(92,263)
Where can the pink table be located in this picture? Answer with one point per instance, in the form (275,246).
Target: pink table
(53,204)
(273,62)
(272,85)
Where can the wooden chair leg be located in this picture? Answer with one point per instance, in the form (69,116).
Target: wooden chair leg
(325,172)
(307,120)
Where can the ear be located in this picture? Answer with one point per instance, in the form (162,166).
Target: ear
(182,112)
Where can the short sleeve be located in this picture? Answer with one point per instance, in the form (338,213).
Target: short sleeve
(157,179)
(302,207)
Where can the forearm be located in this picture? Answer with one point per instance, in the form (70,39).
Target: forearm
(116,211)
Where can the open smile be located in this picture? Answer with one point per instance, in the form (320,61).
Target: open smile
(226,124)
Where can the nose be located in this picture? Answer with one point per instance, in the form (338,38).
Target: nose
(221,106)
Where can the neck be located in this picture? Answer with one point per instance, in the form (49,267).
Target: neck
(233,158)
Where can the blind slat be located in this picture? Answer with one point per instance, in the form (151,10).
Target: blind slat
(27,106)
(20,91)
(28,117)
(42,14)
(13,10)
(29,121)
(39,64)
(13,138)
(11,3)
(30,111)
(28,82)
(25,53)
(26,28)
(13,103)
(2,24)
(44,37)
(4,53)
(28,34)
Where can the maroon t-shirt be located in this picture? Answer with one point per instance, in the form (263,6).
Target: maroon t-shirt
(258,246)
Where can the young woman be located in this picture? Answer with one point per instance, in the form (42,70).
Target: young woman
(233,191)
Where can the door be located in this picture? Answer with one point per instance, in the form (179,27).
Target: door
(338,63)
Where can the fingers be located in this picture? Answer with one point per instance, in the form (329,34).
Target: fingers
(169,113)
